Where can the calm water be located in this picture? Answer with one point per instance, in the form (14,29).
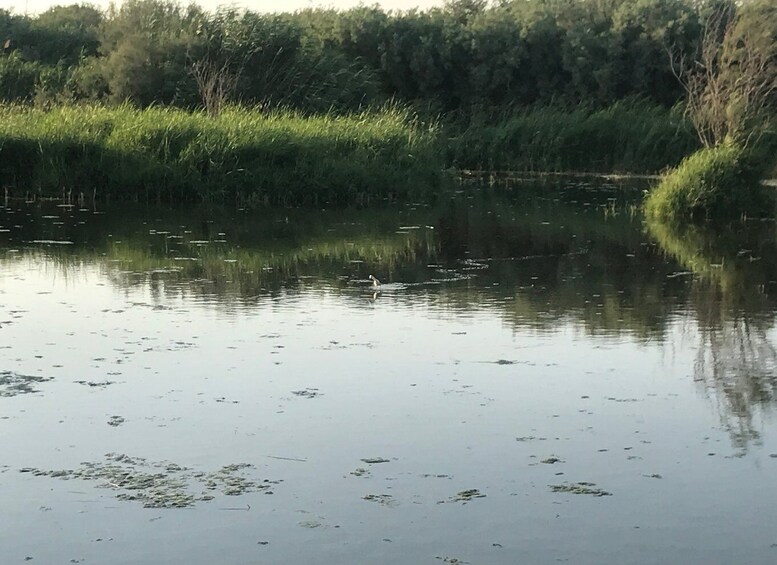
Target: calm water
(541,378)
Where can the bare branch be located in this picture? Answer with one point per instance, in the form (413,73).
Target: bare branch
(729,85)
(215,82)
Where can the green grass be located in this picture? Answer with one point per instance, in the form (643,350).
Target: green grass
(719,183)
(630,136)
(246,156)
(281,157)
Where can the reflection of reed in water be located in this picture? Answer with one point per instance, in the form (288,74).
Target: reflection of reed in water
(737,366)
(736,363)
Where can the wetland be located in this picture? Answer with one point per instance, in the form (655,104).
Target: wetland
(542,376)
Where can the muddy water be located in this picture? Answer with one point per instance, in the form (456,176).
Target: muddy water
(540,378)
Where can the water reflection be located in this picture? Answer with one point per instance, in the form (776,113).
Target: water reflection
(537,346)
(732,298)
(531,258)
(540,258)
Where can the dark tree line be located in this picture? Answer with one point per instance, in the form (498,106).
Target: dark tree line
(468,54)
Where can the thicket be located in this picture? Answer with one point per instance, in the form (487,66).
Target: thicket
(732,103)
(467,54)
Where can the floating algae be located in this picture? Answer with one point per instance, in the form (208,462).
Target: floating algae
(115,421)
(580,488)
(374,460)
(383,499)
(307,393)
(161,484)
(464,496)
(93,384)
(14,384)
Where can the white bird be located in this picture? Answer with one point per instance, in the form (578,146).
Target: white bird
(375,282)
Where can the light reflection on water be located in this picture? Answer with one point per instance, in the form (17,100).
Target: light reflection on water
(505,334)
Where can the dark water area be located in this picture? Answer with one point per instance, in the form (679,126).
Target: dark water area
(541,377)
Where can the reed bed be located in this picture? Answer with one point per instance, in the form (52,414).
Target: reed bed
(251,156)
(246,155)
(631,136)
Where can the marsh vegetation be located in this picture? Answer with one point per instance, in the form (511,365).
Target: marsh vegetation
(240,156)
(346,106)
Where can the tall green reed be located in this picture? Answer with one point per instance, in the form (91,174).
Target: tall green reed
(632,136)
(251,156)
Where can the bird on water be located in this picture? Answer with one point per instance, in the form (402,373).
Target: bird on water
(375,282)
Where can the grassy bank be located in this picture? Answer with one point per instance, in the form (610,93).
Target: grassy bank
(631,136)
(242,155)
(280,157)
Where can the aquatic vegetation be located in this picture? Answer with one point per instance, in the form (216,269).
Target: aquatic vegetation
(281,157)
(628,136)
(93,384)
(382,499)
(14,384)
(467,495)
(115,421)
(580,488)
(375,460)
(307,393)
(247,156)
(160,484)
(720,183)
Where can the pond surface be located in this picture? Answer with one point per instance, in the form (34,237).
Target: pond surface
(540,378)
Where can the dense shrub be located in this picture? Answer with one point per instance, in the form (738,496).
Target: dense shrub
(720,182)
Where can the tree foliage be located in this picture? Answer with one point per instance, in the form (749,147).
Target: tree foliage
(731,80)
(467,54)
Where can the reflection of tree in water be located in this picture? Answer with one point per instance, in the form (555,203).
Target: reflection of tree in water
(736,363)
(539,261)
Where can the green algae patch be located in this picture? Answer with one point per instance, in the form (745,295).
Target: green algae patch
(382,499)
(161,484)
(116,421)
(14,384)
(580,488)
(465,496)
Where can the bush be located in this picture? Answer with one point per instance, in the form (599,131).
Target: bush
(714,183)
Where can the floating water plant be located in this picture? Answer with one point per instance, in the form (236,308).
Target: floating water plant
(161,484)
(14,384)
(580,488)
